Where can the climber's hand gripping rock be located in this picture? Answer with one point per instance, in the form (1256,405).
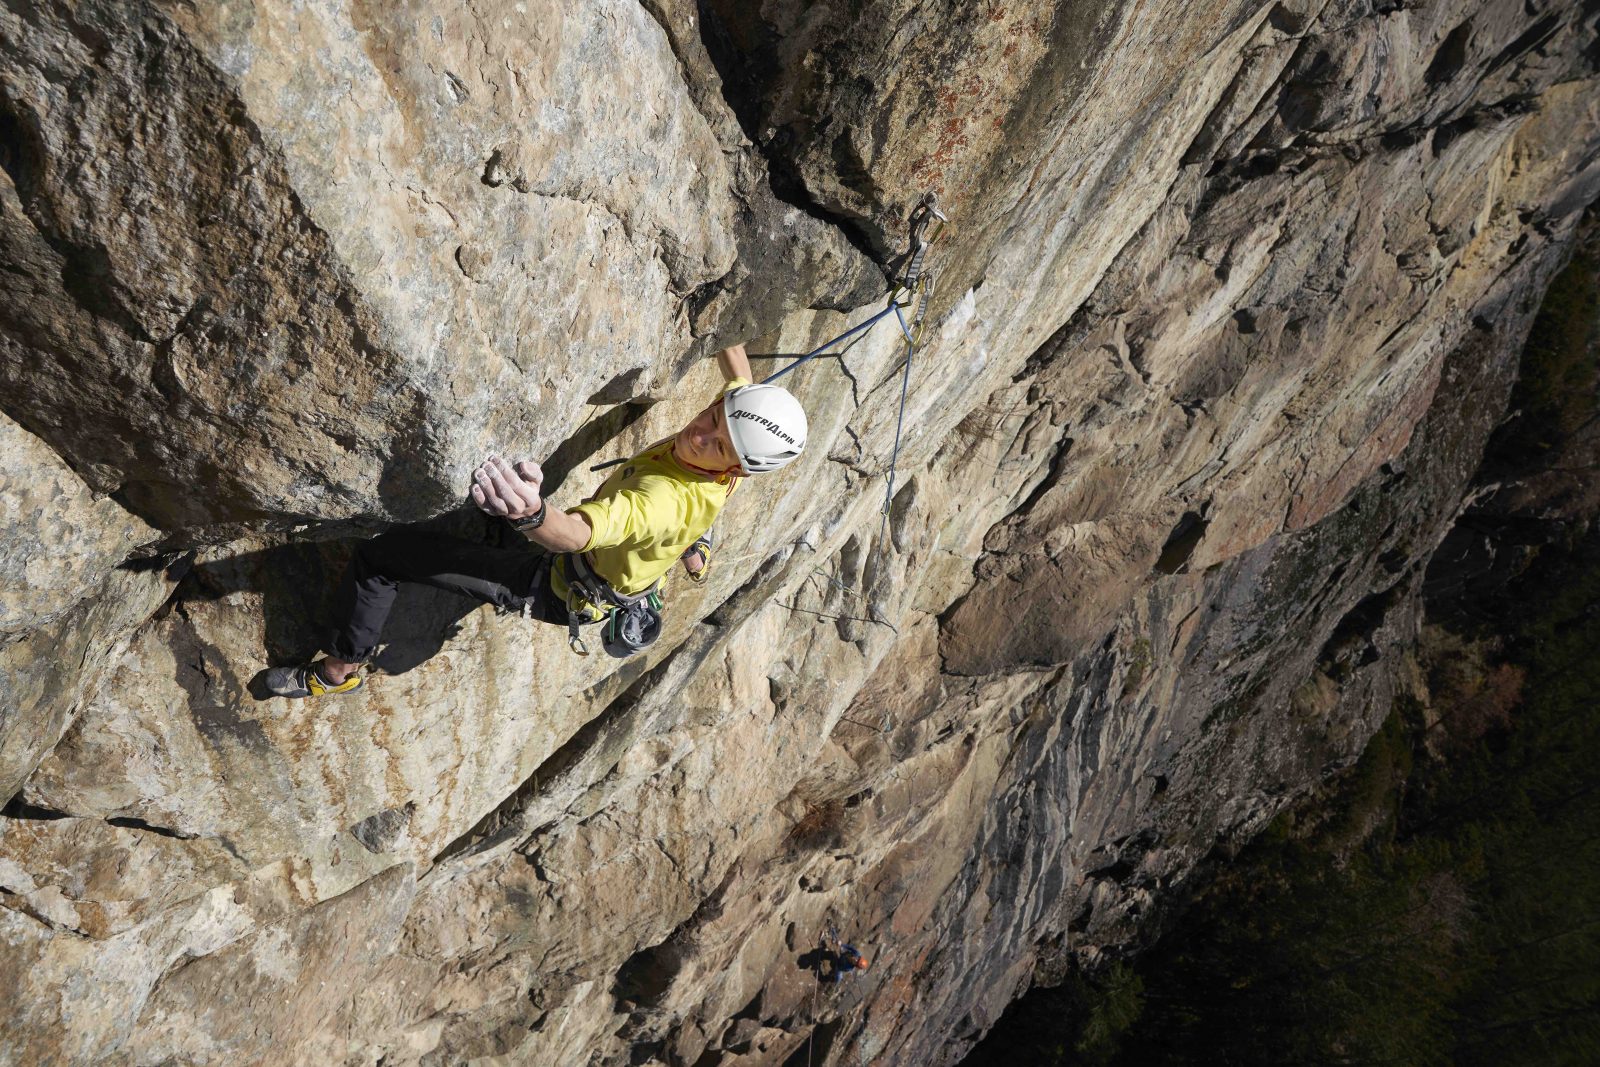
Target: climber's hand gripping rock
(510,492)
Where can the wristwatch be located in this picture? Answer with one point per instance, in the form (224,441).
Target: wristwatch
(534,521)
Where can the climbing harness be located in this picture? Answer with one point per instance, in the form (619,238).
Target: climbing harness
(631,623)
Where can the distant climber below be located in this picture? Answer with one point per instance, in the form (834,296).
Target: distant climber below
(603,560)
(836,959)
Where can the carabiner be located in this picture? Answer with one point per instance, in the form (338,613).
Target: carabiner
(922,217)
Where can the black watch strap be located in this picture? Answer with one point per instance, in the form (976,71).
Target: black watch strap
(534,521)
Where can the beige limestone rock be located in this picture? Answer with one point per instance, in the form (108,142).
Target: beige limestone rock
(83,876)
(60,538)
(279,994)
(356,248)
(1230,301)
(67,600)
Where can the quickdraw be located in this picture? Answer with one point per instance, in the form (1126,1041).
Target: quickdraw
(915,285)
(913,289)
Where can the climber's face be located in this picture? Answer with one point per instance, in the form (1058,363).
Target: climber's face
(705,445)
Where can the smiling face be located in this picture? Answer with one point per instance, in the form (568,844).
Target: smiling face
(704,443)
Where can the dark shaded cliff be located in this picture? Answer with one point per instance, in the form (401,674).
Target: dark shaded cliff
(1437,903)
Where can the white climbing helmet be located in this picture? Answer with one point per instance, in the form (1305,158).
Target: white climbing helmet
(767,424)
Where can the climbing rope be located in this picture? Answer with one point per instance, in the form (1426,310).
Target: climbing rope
(899,425)
(915,285)
(822,349)
(811,1038)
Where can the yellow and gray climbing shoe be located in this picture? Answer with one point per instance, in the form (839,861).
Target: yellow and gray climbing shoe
(296,682)
(702,548)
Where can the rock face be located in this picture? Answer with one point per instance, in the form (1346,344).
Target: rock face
(1229,306)
(67,602)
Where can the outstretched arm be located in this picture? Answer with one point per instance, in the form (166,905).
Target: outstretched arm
(512,493)
(734,364)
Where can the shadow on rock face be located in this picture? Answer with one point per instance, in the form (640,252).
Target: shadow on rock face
(813,961)
(298,587)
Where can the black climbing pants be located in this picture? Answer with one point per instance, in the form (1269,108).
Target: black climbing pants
(513,579)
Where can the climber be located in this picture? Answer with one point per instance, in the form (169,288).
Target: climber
(842,959)
(603,560)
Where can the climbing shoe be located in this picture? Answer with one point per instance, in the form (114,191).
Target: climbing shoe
(702,546)
(296,682)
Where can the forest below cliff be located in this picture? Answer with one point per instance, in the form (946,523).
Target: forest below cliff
(1439,903)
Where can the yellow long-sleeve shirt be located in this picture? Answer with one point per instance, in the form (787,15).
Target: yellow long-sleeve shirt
(645,515)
